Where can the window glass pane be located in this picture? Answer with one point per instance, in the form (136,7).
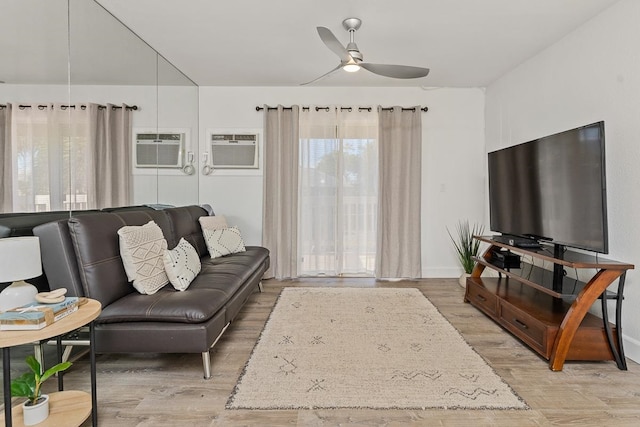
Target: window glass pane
(338,194)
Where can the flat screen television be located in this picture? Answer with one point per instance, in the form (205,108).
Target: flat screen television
(552,189)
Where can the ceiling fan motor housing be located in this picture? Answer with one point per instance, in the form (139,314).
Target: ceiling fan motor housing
(352,25)
(353,50)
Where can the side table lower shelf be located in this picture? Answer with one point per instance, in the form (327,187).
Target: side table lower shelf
(535,318)
(66,409)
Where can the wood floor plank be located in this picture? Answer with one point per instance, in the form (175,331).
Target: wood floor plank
(139,390)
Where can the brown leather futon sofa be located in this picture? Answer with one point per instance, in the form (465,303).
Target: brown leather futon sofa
(82,254)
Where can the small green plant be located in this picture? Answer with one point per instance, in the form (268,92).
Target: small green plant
(28,384)
(466,246)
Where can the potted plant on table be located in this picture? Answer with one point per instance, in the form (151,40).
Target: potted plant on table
(29,384)
(466,246)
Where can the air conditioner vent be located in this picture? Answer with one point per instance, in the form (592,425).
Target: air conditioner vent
(234,151)
(159,150)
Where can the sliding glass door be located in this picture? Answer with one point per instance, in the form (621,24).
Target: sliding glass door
(338,192)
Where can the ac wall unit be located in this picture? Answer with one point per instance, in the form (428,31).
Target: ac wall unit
(159,150)
(234,151)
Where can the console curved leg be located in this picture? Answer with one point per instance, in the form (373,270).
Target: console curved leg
(487,255)
(622,363)
(479,268)
(571,322)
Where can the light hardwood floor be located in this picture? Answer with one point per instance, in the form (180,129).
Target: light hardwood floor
(168,390)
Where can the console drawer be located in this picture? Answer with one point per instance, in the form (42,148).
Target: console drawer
(482,298)
(525,327)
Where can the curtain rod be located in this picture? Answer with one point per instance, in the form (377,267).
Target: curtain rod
(83,107)
(425,109)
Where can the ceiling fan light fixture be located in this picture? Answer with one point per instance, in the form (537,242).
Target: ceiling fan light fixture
(351,67)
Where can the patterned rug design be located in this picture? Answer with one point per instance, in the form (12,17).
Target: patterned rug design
(378,348)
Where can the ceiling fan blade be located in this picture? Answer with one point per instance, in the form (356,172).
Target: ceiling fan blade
(332,43)
(322,76)
(395,71)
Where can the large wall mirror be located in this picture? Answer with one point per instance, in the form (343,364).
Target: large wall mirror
(71,63)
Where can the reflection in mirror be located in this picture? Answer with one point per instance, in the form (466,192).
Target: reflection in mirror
(35,53)
(94,63)
(35,78)
(177,123)
(114,89)
(166,99)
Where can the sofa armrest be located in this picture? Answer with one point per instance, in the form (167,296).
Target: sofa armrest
(58,257)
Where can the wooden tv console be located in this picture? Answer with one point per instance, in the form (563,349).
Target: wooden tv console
(552,319)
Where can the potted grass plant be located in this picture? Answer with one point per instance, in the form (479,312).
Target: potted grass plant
(466,246)
(29,385)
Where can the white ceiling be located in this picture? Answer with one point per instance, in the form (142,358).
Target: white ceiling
(465,43)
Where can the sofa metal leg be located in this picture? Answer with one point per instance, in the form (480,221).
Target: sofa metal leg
(206,359)
(260,286)
(67,353)
(206,364)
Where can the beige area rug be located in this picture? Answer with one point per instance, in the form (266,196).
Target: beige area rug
(381,348)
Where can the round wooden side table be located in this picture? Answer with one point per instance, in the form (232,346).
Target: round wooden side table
(70,405)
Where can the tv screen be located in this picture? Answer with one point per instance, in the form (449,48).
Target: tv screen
(552,189)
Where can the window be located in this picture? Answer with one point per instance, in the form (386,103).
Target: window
(46,141)
(338,192)
(65,158)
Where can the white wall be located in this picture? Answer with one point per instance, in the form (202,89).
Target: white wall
(453,135)
(590,75)
(453,172)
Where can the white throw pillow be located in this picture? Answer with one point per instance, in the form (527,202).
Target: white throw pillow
(182,265)
(223,241)
(142,248)
(212,222)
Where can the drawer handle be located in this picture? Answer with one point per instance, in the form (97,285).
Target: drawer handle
(481,298)
(519,323)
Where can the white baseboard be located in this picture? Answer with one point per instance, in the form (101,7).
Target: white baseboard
(450,273)
(631,348)
(441,273)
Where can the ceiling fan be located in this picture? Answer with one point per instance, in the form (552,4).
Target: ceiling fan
(351,60)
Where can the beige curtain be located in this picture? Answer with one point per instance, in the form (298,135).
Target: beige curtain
(60,158)
(281,163)
(6,181)
(110,155)
(398,252)
(40,138)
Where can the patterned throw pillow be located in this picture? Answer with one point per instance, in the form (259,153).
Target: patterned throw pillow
(212,222)
(182,265)
(223,241)
(142,248)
